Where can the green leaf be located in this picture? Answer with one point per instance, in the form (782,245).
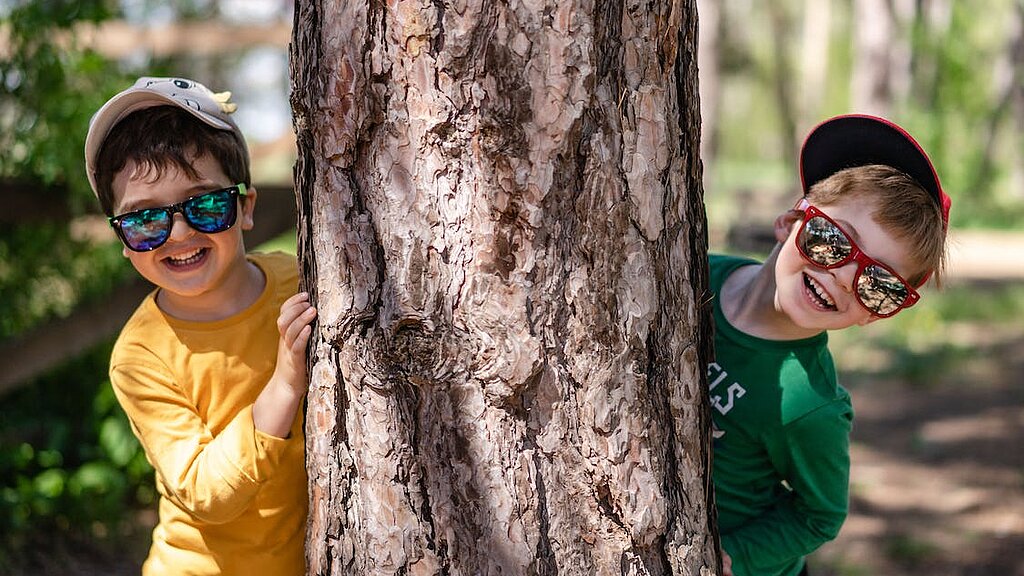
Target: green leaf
(50,483)
(97,477)
(50,458)
(117,440)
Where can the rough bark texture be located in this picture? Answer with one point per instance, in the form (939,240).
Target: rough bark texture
(501,222)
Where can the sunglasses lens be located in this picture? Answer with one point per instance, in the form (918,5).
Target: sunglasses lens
(823,242)
(145,229)
(213,212)
(880,290)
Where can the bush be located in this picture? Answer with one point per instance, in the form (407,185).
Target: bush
(70,467)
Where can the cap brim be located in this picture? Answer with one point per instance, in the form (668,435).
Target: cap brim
(858,140)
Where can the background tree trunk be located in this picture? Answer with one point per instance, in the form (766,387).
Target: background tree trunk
(783,77)
(814,58)
(872,63)
(710,75)
(501,222)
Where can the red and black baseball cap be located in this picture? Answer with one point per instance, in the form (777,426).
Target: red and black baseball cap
(858,140)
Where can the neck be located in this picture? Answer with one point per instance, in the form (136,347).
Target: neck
(749,303)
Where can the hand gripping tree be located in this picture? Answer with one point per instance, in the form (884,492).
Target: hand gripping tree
(501,223)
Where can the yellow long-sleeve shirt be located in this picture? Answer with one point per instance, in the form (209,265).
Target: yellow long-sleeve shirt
(232,499)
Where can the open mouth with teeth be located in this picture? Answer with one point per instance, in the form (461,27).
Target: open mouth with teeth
(186,260)
(818,294)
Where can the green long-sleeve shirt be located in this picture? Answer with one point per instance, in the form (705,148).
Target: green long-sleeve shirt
(781,443)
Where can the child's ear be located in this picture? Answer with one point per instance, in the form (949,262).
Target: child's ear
(784,223)
(248,209)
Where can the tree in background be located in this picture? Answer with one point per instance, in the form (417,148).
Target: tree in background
(949,71)
(501,222)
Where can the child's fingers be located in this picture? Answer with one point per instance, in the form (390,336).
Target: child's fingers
(297,325)
(297,297)
(291,310)
(295,305)
(301,340)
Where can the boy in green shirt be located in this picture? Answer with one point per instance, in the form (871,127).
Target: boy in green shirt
(869,230)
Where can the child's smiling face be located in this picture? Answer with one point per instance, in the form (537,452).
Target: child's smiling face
(816,298)
(192,269)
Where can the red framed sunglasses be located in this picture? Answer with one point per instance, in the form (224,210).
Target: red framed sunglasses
(878,288)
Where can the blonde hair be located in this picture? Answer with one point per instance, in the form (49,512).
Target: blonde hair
(901,206)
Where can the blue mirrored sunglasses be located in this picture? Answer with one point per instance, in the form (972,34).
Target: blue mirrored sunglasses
(209,213)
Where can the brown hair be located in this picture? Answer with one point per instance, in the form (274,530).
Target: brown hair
(164,137)
(901,206)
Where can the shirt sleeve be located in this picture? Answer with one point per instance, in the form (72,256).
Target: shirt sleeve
(214,478)
(813,457)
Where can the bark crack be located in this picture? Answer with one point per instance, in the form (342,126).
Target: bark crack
(544,563)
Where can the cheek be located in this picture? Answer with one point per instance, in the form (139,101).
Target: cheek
(789,259)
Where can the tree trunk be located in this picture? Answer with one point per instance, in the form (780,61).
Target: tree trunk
(872,65)
(814,57)
(783,78)
(501,224)
(710,73)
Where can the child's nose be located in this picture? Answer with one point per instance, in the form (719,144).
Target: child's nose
(846,275)
(179,227)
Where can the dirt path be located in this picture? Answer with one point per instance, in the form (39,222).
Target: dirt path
(936,482)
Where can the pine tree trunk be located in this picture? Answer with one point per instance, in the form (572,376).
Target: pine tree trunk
(501,223)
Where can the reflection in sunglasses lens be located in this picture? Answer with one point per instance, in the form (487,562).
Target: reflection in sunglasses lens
(880,291)
(213,212)
(146,228)
(823,242)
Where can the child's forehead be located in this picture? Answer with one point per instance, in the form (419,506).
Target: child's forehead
(862,205)
(140,184)
(878,238)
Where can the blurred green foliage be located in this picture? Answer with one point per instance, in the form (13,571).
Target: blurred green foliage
(951,94)
(70,466)
(939,339)
(44,273)
(48,91)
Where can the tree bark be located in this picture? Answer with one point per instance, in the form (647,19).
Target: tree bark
(501,224)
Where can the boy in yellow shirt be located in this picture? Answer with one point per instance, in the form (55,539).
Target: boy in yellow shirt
(210,369)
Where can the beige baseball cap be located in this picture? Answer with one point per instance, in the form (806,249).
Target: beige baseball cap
(212,108)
